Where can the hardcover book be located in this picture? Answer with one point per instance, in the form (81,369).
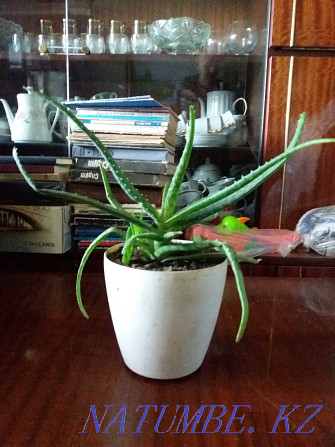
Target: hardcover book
(131,102)
(128,114)
(136,178)
(119,139)
(149,167)
(34,168)
(35,149)
(36,160)
(108,127)
(59,176)
(135,153)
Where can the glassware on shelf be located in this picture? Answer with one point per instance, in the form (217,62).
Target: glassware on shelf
(29,42)
(94,26)
(94,39)
(216,43)
(46,26)
(43,38)
(54,43)
(68,39)
(242,38)
(16,46)
(118,41)
(180,35)
(140,40)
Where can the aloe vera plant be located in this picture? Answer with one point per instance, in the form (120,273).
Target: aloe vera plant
(162,238)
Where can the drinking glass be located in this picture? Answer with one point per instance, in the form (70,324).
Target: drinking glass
(118,42)
(16,45)
(140,39)
(242,38)
(216,43)
(95,41)
(69,36)
(29,42)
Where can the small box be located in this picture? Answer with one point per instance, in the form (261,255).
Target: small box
(35,229)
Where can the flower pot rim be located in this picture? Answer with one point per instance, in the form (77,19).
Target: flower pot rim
(117,247)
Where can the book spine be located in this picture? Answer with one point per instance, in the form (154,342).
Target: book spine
(154,167)
(38,169)
(130,123)
(36,160)
(12,168)
(117,115)
(136,178)
(138,154)
(59,176)
(107,127)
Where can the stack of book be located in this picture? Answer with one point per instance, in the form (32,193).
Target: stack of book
(40,168)
(47,165)
(88,223)
(29,221)
(138,131)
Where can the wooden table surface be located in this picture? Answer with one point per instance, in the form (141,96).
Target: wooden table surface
(64,384)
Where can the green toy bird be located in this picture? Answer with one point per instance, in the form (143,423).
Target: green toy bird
(234,223)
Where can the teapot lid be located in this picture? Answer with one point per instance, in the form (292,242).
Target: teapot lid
(208,166)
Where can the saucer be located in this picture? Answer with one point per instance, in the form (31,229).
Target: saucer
(213,140)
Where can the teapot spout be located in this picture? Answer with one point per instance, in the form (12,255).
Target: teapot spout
(9,113)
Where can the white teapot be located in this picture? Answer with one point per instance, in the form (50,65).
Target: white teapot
(30,123)
(218,102)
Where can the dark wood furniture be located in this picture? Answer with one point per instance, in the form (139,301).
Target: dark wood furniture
(59,370)
(301,73)
(300,77)
(298,263)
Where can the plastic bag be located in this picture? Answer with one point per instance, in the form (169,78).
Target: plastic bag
(253,242)
(317,229)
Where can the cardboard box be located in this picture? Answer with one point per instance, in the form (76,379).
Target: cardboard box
(35,229)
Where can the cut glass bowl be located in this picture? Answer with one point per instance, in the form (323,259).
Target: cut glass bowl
(180,35)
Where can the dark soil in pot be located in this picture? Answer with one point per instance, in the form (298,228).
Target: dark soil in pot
(139,262)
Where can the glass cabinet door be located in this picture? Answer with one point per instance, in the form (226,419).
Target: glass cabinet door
(85,48)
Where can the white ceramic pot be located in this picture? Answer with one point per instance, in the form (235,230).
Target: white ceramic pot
(164,321)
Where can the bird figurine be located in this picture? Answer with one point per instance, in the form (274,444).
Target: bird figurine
(234,223)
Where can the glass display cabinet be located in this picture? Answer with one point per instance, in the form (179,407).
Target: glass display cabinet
(82,48)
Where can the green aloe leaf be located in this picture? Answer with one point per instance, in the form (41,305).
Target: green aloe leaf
(85,258)
(171,194)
